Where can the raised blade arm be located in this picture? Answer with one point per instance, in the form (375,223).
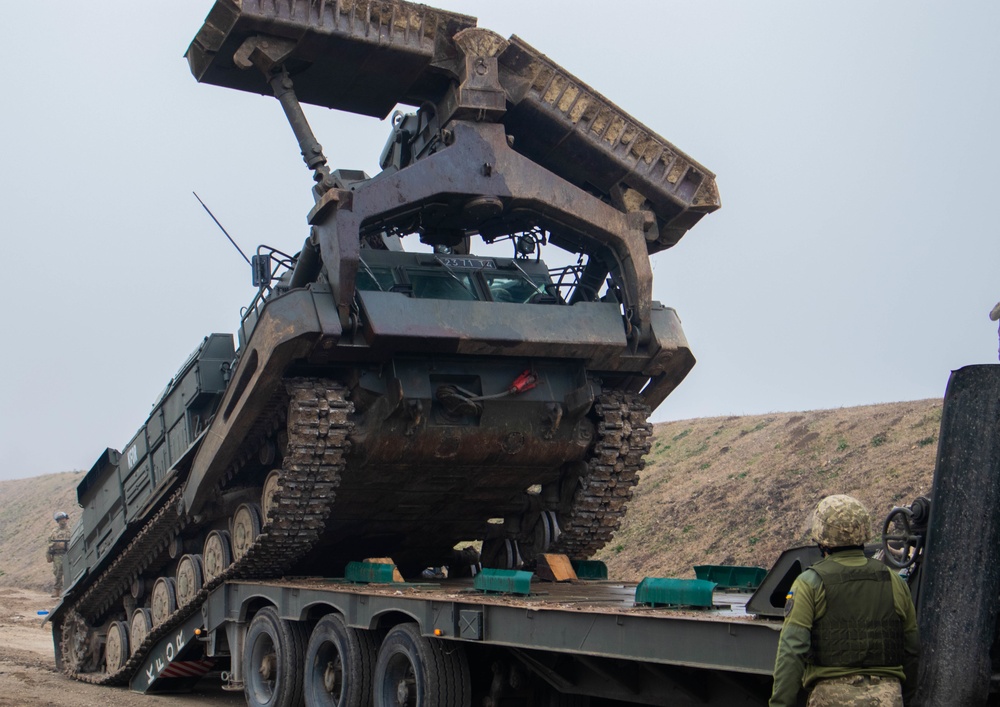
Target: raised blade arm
(367,56)
(359,56)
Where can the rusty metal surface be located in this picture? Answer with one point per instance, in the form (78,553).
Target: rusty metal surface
(367,57)
(457,171)
(604,596)
(360,56)
(566,125)
(590,331)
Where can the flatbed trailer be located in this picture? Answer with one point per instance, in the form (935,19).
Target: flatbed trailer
(445,643)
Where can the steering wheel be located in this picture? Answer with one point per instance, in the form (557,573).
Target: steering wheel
(902,545)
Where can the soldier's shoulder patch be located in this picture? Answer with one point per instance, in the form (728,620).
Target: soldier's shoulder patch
(789,601)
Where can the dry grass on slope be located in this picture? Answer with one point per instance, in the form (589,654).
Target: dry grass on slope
(739,490)
(734,490)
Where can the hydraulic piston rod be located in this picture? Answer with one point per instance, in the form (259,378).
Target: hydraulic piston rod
(268,54)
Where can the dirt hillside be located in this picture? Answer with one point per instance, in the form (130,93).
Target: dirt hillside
(733,490)
(26,508)
(739,490)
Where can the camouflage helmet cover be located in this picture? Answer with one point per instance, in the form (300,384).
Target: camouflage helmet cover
(60,516)
(841,521)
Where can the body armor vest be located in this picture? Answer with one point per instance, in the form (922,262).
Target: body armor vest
(860,628)
(59,541)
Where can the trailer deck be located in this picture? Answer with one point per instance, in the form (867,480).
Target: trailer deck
(583,637)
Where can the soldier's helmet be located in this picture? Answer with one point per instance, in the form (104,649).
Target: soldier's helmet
(60,516)
(841,521)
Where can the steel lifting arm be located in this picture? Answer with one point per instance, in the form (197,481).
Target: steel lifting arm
(268,55)
(369,62)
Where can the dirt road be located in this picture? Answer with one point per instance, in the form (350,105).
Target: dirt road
(28,677)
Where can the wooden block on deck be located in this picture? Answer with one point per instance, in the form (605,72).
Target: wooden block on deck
(396,576)
(555,568)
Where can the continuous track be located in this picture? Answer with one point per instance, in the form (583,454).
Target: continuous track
(318,429)
(612,471)
(318,440)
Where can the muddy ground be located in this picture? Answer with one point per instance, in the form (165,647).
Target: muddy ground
(28,676)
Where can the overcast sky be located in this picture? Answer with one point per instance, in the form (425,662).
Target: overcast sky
(854,261)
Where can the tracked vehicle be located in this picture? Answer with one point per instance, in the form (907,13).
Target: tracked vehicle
(417,375)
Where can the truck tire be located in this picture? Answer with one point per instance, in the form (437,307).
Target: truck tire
(273,654)
(421,672)
(340,663)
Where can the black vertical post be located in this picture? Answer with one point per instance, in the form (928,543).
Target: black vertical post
(961,574)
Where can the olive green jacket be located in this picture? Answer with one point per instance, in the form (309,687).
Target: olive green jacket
(806,604)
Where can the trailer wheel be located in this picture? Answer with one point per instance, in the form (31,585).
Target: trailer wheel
(339,665)
(414,671)
(273,656)
(116,651)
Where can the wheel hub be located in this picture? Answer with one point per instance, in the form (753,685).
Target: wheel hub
(268,666)
(402,693)
(331,677)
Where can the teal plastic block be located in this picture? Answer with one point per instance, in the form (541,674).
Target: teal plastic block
(659,591)
(503,581)
(368,573)
(590,569)
(732,577)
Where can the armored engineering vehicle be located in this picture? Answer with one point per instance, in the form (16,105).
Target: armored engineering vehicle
(382,401)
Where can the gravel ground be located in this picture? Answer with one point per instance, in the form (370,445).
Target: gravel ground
(28,677)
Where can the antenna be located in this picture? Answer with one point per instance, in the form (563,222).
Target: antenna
(222,228)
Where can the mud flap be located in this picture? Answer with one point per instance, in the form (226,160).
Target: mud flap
(960,580)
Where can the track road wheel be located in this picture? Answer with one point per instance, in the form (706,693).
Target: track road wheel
(164,600)
(246,528)
(414,671)
(217,554)
(116,651)
(273,657)
(190,577)
(268,496)
(501,554)
(339,665)
(545,534)
(141,625)
(77,645)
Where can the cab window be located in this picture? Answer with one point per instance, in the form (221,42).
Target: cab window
(442,285)
(374,279)
(508,287)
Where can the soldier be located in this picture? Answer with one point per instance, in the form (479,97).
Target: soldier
(58,543)
(850,633)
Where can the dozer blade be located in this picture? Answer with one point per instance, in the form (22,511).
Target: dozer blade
(367,56)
